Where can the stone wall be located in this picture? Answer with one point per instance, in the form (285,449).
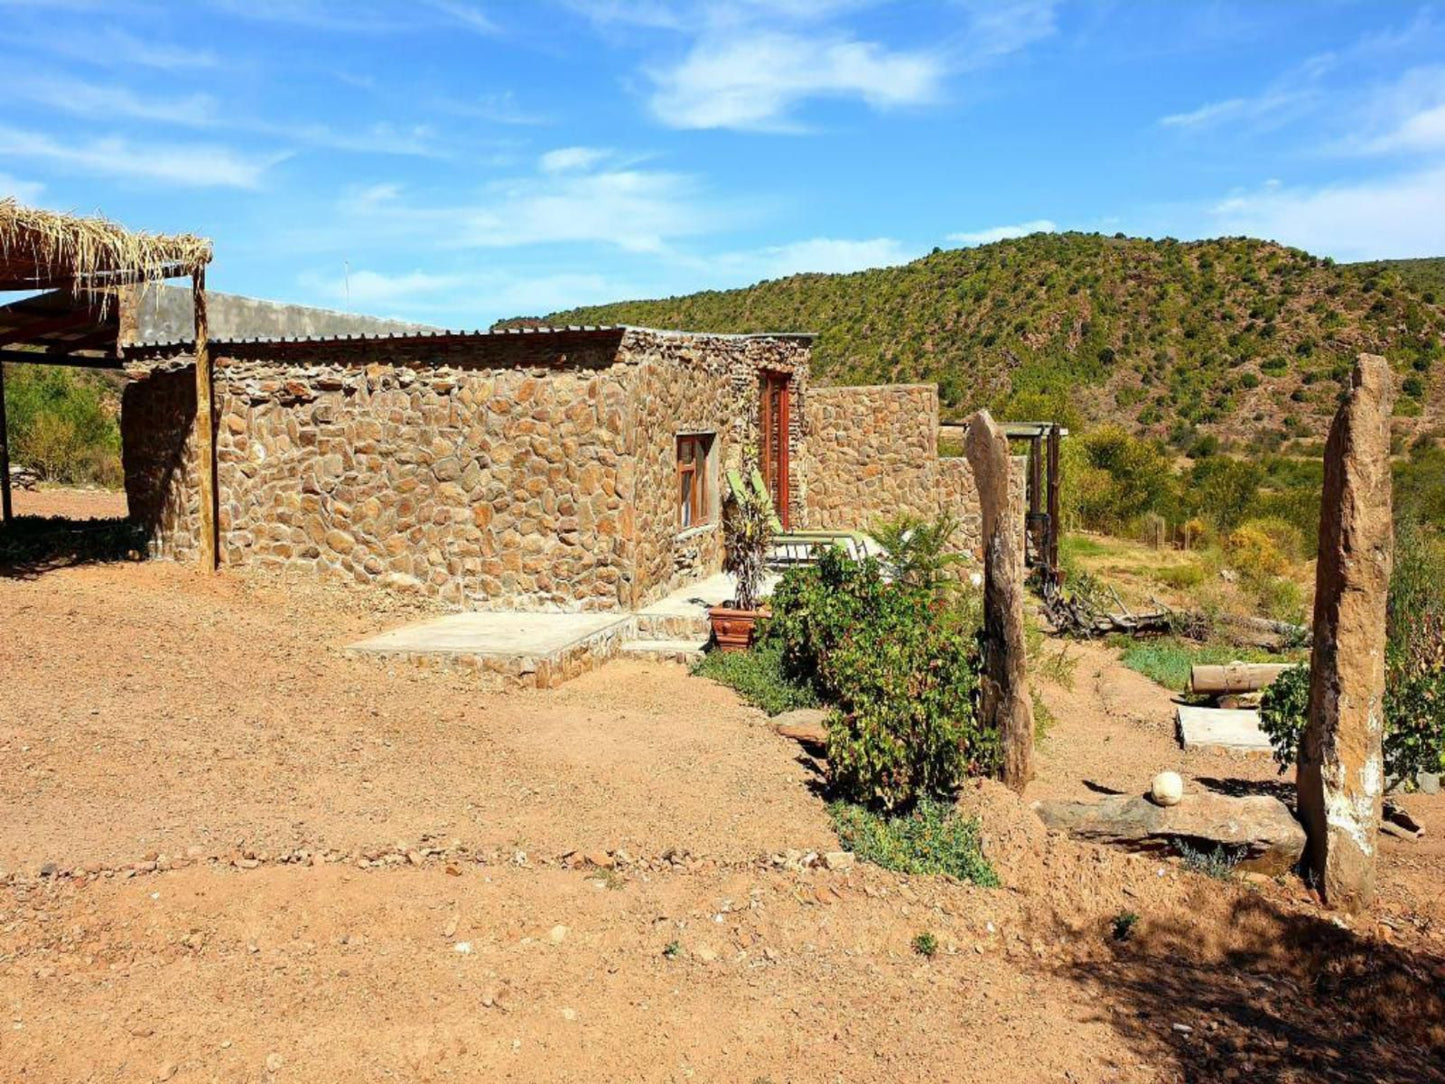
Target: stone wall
(517,472)
(157,418)
(698,383)
(872,453)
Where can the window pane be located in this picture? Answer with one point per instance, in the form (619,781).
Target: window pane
(685,501)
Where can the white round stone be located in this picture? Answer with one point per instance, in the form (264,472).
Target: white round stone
(1167,788)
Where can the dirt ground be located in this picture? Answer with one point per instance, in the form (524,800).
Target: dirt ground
(231,853)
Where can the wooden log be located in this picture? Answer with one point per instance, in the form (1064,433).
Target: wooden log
(1234,677)
(205,427)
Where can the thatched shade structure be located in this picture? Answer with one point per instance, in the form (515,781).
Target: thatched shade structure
(44,249)
(90,258)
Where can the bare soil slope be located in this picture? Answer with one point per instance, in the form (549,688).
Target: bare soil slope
(235,854)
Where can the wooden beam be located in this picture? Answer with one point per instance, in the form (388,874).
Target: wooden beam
(37,357)
(205,427)
(6,513)
(104,339)
(44,325)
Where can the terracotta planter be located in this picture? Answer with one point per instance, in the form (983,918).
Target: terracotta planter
(733,630)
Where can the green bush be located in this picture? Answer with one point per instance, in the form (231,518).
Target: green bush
(758,677)
(899,664)
(929,839)
(61,425)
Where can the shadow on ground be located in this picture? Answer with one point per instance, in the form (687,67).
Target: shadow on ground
(32,545)
(1281,788)
(1285,997)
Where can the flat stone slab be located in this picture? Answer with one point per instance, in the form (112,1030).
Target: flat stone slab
(534,648)
(491,634)
(1257,829)
(1233,729)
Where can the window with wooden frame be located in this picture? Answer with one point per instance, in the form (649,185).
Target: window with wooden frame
(695,485)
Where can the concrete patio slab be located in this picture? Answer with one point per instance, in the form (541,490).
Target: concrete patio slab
(544,649)
(1233,729)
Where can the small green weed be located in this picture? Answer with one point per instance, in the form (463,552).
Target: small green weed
(926,945)
(1123,925)
(932,838)
(671,950)
(1217,862)
(758,677)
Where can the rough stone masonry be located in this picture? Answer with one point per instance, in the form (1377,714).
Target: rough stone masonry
(1340,777)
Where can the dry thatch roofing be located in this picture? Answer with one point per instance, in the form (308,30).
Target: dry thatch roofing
(39,249)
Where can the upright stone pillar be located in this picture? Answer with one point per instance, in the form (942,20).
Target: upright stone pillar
(1004,698)
(1340,778)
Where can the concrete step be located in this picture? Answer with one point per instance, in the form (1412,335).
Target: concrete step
(685,651)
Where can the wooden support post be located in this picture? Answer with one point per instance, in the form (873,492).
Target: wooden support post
(205,430)
(6,514)
(1055,527)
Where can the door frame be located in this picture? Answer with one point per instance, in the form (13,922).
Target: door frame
(775,473)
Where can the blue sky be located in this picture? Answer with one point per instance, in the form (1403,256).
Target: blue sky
(456,161)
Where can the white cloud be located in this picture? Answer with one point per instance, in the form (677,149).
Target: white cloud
(189,165)
(463,300)
(24,191)
(756,81)
(1382,218)
(1423,131)
(1001,233)
(633,209)
(469,15)
(827,255)
(572,159)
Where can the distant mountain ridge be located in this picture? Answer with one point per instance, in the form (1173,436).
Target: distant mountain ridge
(1244,339)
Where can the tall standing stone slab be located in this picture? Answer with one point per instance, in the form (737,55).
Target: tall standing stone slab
(1004,690)
(1341,770)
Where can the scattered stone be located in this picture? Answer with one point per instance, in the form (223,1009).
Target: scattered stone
(1167,788)
(464,947)
(706,953)
(838,860)
(805,725)
(1340,778)
(274,1063)
(167,1070)
(558,934)
(1258,828)
(569,1014)
(600,859)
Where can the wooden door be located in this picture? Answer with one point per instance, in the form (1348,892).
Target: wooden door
(773,438)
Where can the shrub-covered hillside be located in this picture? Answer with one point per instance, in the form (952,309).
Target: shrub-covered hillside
(1244,339)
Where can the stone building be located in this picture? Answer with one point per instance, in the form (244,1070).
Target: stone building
(554,469)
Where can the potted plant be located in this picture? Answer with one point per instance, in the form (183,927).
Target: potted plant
(747,537)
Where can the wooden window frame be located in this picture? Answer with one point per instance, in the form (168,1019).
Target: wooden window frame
(694,462)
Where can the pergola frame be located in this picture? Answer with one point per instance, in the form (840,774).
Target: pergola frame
(91,259)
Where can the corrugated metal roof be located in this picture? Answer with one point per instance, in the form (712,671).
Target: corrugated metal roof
(504,332)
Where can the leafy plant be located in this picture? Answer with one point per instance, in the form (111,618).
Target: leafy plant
(916,549)
(672,949)
(1123,925)
(925,944)
(1217,862)
(759,677)
(747,537)
(929,839)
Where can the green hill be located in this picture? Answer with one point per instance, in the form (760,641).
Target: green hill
(1244,339)
(1425,276)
